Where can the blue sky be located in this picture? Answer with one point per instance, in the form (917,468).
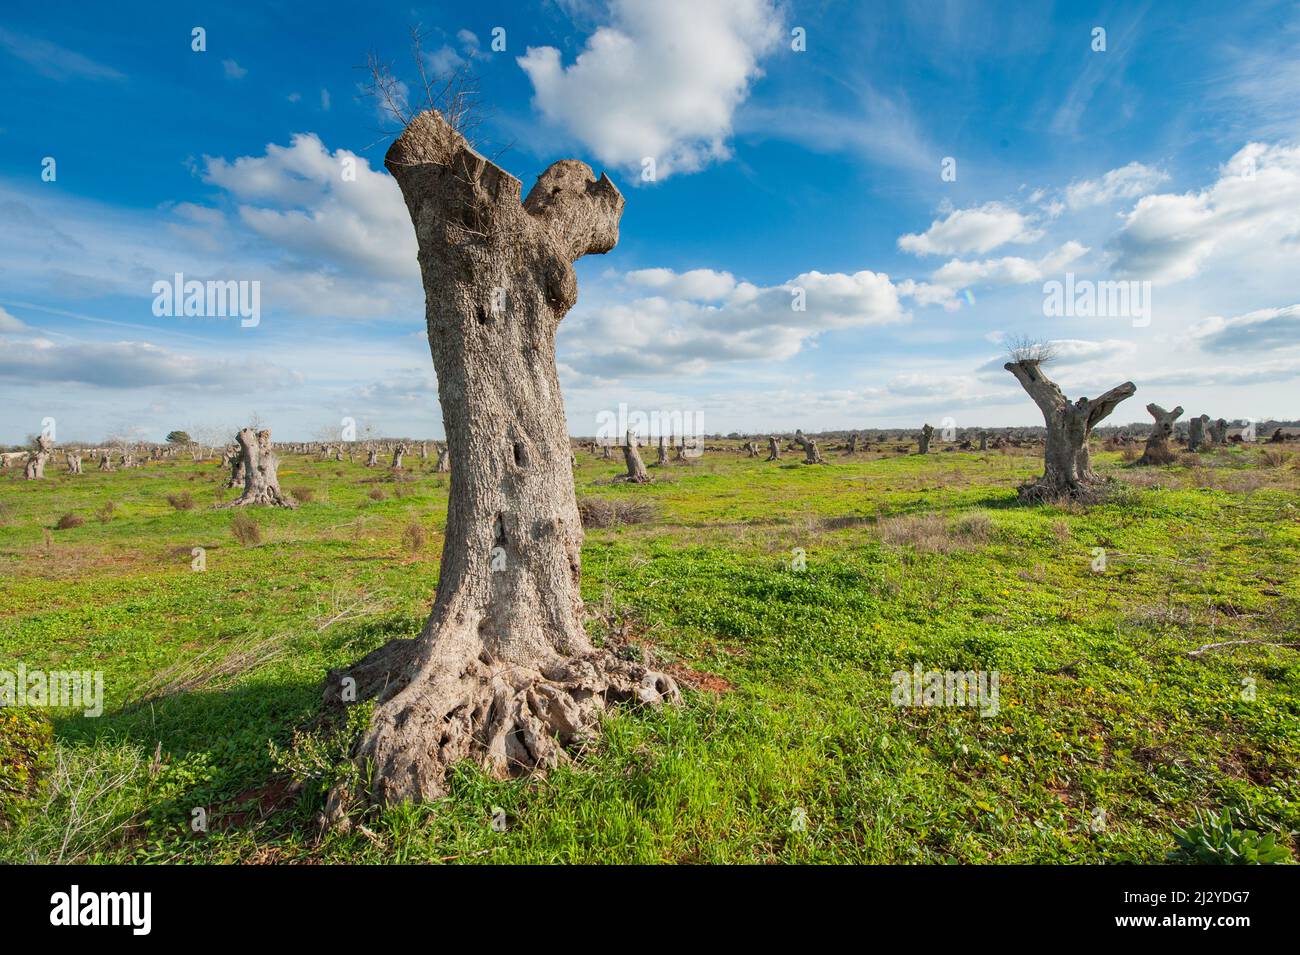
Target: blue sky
(1170,159)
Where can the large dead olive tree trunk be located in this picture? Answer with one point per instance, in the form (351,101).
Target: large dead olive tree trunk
(923,439)
(503,671)
(260,468)
(1067,463)
(773,449)
(1196,432)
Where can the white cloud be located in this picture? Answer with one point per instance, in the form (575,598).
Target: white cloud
(1267,329)
(1010,270)
(1127,182)
(976,230)
(296,197)
(1251,212)
(699,284)
(129,364)
(8,323)
(697,323)
(923,293)
(661,80)
(233,70)
(1096,357)
(53,61)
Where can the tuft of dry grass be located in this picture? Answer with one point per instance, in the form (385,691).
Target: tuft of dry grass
(245,529)
(612,511)
(377,494)
(68,521)
(183,501)
(1273,458)
(209,667)
(414,536)
(304,495)
(106,512)
(932,534)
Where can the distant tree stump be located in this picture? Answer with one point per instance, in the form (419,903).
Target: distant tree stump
(1157,449)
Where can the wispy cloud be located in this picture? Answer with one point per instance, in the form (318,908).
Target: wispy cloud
(53,61)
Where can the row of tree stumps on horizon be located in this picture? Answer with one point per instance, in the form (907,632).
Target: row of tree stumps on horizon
(252,452)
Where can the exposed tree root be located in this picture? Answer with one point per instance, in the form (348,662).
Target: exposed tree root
(509,719)
(1042,491)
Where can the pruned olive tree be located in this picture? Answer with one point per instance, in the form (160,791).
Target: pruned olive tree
(260,466)
(636,472)
(35,469)
(1196,432)
(1067,462)
(1157,447)
(923,439)
(503,672)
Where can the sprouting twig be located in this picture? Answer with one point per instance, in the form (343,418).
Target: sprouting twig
(1236,643)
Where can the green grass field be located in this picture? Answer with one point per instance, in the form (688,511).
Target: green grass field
(782,596)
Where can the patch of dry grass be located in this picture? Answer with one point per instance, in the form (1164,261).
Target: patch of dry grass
(935,534)
(245,529)
(414,536)
(612,512)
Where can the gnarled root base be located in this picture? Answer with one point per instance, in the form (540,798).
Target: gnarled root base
(268,497)
(509,719)
(1044,491)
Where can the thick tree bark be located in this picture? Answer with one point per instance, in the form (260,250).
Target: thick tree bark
(74,463)
(636,472)
(751,449)
(259,463)
(234,460)
(443,464)
(1067,461)
(924,439)
(398,452)
(105,462)
(853,445)
(1157,449)
(503,671)
(1196,432)
(984,440)
(1219,431)
(663,450)
(372,458)
(773,448)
